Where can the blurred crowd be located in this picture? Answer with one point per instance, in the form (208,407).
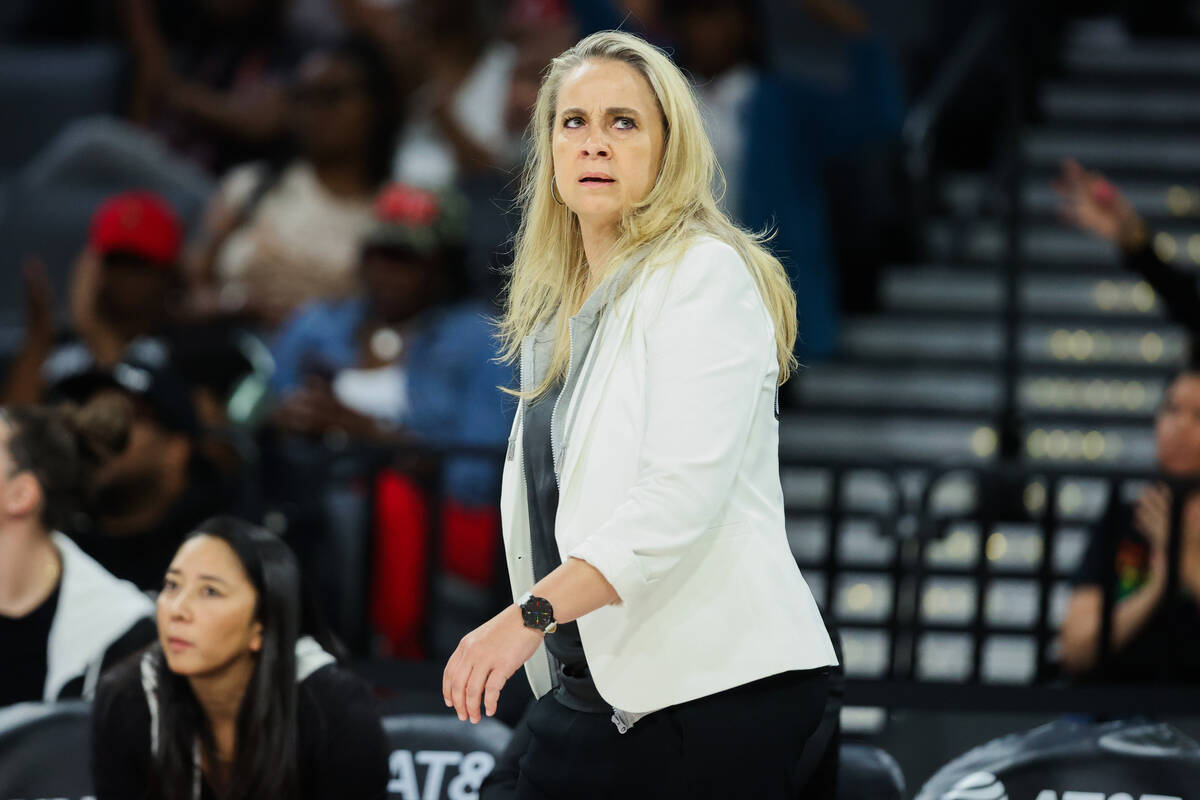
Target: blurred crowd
(297,219)
(264,284)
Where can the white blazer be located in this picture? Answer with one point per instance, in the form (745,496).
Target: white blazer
(669,486)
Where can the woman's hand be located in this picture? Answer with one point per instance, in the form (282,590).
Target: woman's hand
(1089,201)
(39,304)
(484,661)
(1152,519)
(101,337)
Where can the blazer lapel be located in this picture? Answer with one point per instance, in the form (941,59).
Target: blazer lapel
(602,357)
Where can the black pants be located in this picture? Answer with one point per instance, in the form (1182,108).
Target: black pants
(747,742)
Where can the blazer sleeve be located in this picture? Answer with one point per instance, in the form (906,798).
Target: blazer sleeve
(709,348)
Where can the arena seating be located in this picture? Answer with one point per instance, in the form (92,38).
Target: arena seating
(439,756)
(44,753)
(1065,759)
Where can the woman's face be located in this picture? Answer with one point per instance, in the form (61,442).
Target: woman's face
(206,609)
(1177,429)
(398,285)
(608,141)
(331,107)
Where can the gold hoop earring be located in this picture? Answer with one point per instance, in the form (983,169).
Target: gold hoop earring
(554,192)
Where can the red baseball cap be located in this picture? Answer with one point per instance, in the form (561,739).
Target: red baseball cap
(141,223)
(416,219)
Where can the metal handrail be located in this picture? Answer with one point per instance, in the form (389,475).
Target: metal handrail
(900,685)
(920,124)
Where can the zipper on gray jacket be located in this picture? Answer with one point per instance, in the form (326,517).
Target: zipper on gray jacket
(526,349)
(624,720)
(526,352)
(558,400)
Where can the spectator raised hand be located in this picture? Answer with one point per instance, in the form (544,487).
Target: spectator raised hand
(1152,519)
(1091,202)
(1088,200)
(24,385)
(101,337)
(39,303)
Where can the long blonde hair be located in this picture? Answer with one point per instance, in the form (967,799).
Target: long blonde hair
(549,274)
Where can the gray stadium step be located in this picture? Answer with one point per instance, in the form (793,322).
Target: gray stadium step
(853,386)
(986,241)
(963,194)
(941,288)
(1152,346)
(1069,398)
(908,438)
(1075,103)
(1050,244)
(1168,153)
(900,438)
(1143,59)
(889,337)
(955,289)
(1110,395)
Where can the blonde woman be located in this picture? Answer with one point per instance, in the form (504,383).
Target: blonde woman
(660,616)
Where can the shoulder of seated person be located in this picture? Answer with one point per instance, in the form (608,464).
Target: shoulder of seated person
(241,173)
(333,700)
(332,686)
(120,699)
(240,180)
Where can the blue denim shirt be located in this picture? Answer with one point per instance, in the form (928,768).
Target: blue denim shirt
(453,381)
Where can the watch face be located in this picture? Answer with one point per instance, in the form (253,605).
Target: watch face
(537,613)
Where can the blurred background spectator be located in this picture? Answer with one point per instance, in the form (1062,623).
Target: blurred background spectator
(457,122)
(774,181)
(1089,201)
(209,75)
(125,287)
(63,618)
(411,355)
(159,485)
(409,360)
(1129,548)
(282,233)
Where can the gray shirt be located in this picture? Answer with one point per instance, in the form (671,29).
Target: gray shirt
(543,440)
(575,687)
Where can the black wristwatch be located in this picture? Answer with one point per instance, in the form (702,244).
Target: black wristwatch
(537,613)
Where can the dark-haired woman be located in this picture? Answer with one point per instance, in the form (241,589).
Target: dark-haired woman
(280,235)
(63,618)
(242,696)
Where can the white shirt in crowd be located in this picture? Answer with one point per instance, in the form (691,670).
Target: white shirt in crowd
(301,242)
(424,157)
